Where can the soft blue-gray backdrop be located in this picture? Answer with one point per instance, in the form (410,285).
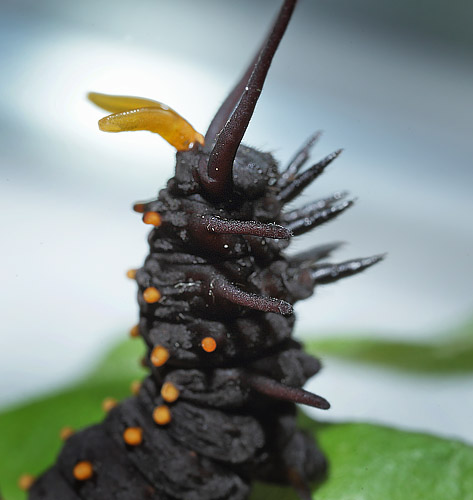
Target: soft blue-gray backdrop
(391,82)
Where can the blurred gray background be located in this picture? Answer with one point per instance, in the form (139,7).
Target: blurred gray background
(391,82)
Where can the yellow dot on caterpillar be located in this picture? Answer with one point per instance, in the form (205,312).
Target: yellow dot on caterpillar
(139,208)
(66,433)
(169,392)
(108,404)
(131,273)
(152,218)
(162,415)
(208,344)
(135,331)
(133,436)
(151,295)
(135,387)
(159,355)
(25,482)
(83,471)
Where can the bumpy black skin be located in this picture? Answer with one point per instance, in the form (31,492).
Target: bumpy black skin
(222,435)
(218,261)
(217,415)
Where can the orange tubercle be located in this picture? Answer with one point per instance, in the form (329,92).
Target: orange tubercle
(162,415)
(135,331)
(208,344)
(135,387)
(159,355)
(131,274)
(139,208)
(66,433)
(83,470)
(151,295)
(169,392)
(152,218)
(25,482)
(133,436)
(108,404)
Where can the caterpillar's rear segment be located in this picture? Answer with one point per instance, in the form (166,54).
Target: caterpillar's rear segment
(216,296)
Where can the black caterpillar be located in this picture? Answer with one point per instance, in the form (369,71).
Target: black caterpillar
(215,293)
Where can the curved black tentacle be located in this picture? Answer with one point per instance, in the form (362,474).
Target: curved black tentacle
(306,210)
(308,257)
(296,186)
(276,390)
(220,163)
(298,161)
(318,217)
(224,112)
(328,273)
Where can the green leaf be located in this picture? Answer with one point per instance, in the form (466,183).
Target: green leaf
(371,462)
(29,433)
(367,462)
(449,353)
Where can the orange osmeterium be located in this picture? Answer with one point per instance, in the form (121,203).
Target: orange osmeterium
(209,344)
(159,355)
(83,470)
(131,273)
(152,218)
(151,295)
(133,436)
(169,392)
(108,404)
(66,433)
(135,331)
(162,415)
(25,482)
(137,113)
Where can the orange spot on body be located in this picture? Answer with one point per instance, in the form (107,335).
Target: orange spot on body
(108,404)
(66,433)
(162,415)
(152,218)
(131,273)
(135,331)
(25,482)
(151,295)
(139,208)
(135,387)
(169,392)
(83,470)
(133,436)
(208,344)
(159,355)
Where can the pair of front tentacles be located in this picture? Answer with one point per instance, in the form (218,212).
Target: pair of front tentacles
(134,113)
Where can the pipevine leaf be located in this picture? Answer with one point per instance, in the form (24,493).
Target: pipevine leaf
(449,353)
(367,462)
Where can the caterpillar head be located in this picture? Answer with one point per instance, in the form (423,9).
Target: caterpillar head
(217,166)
